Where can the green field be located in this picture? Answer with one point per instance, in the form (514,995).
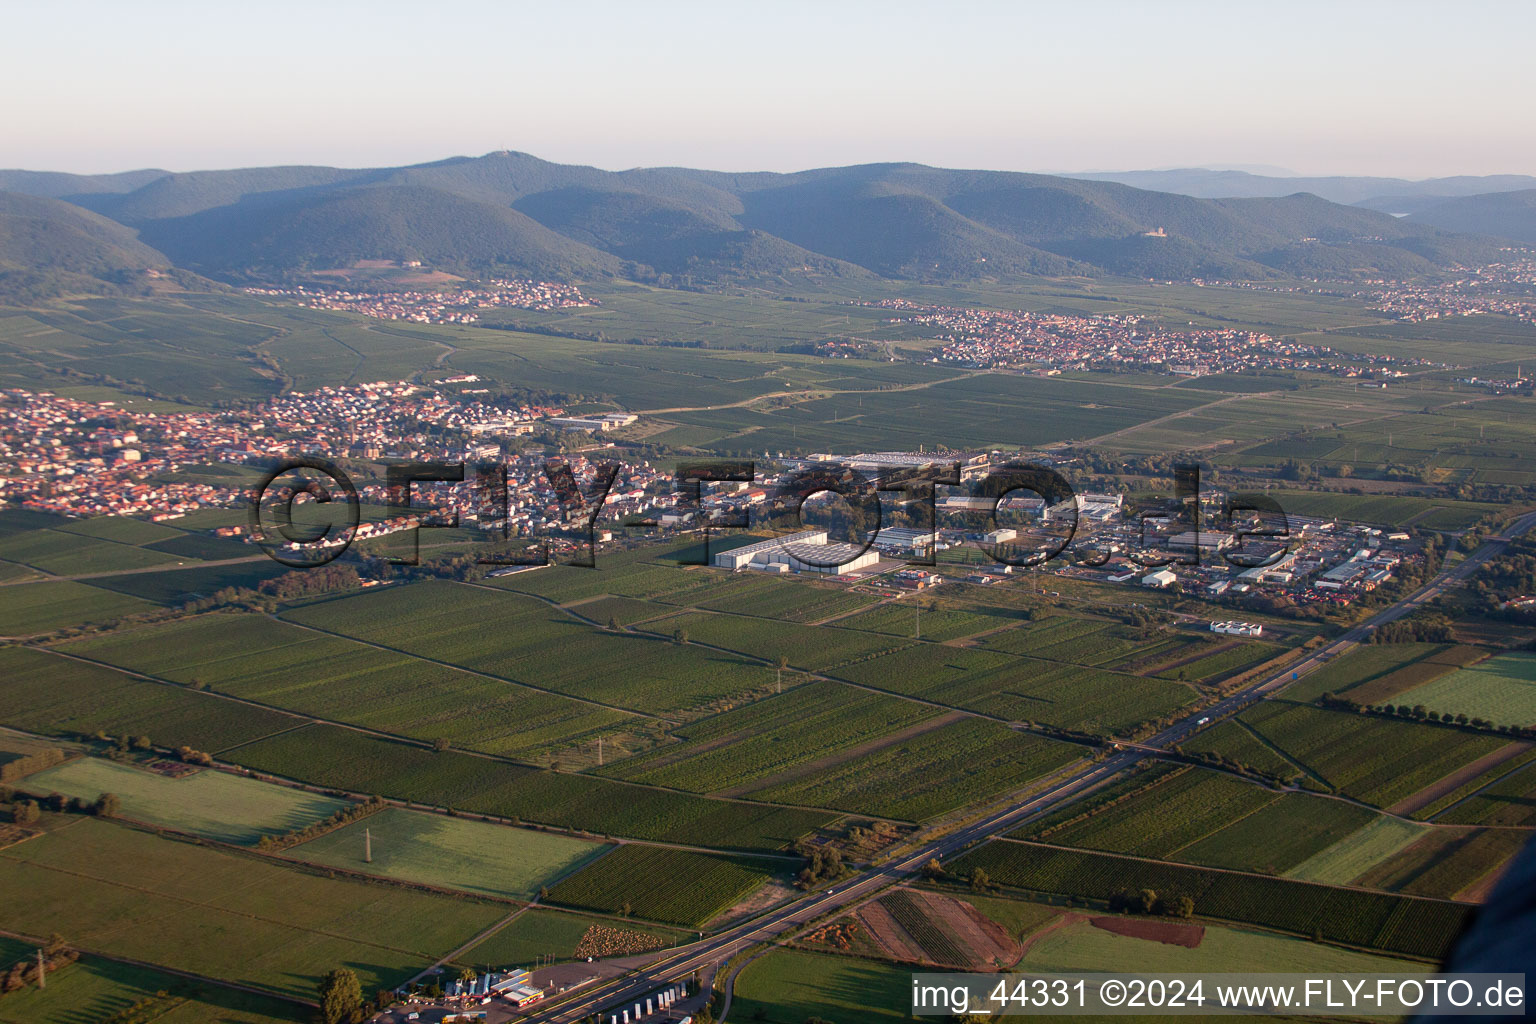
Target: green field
(1377,760)
(793,602)
(939,624)
(1205,817)
(452,853)
(93,989)
(930,774)
(1380,673)
(759,740)
(1394,924)
(55,696)
(807,647)
(1509,799)
(1501,690)
(537,645)
(211,804)
(1022,689)
(1082,947)
(1230,740)
(338,758)
(1385,509)
(550,933)
(662,884)
(275,663)
(28,608)
(790,987)
(1350,857)
(234,917)
(67,554)
(1445,862)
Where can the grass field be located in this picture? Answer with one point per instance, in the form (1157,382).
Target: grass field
(93,989)
(662,884)
(256,658)
(1445,861)
(335,757)
(176,586)
(53,695)
(807,647)
(1082,947)
(1205,817)
(29,608)
(942,623)
(239,918)
(69,554)
(1381,673)
(534,644)
(453,853)
(761,739)
(1350,857)
(1376,760)
(211,804)
(1230,739)
(790,987)
(1384,509)
(549,933)
(1501,690)
(1418,928)
(929,774)
(793,602)
(1507,800)
(1020,688)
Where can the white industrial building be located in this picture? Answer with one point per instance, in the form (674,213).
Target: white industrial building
(607,421)
(971,465)
(806,551)
(1161,578)
(904,539)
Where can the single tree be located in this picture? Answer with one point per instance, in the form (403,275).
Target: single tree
(341,997)
(107,805)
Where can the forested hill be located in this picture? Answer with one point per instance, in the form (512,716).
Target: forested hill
(514,213)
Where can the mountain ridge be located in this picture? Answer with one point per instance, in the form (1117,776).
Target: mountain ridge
(512,212)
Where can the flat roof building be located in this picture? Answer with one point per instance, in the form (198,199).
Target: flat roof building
(806,551)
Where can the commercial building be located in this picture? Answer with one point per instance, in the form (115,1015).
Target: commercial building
(1206,542)
(1234,628)
(607,421)
(971,466)
(903,539)
(806,551)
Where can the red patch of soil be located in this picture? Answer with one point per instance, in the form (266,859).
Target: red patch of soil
(1172,933)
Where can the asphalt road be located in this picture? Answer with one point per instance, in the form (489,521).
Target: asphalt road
(682,962)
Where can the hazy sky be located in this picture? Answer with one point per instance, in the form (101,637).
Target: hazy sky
(1403,88)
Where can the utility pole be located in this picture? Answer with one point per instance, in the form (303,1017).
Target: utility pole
(42,970)
(367,845)
(599,750)
(918,606)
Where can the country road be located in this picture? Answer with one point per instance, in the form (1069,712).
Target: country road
(682,962)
